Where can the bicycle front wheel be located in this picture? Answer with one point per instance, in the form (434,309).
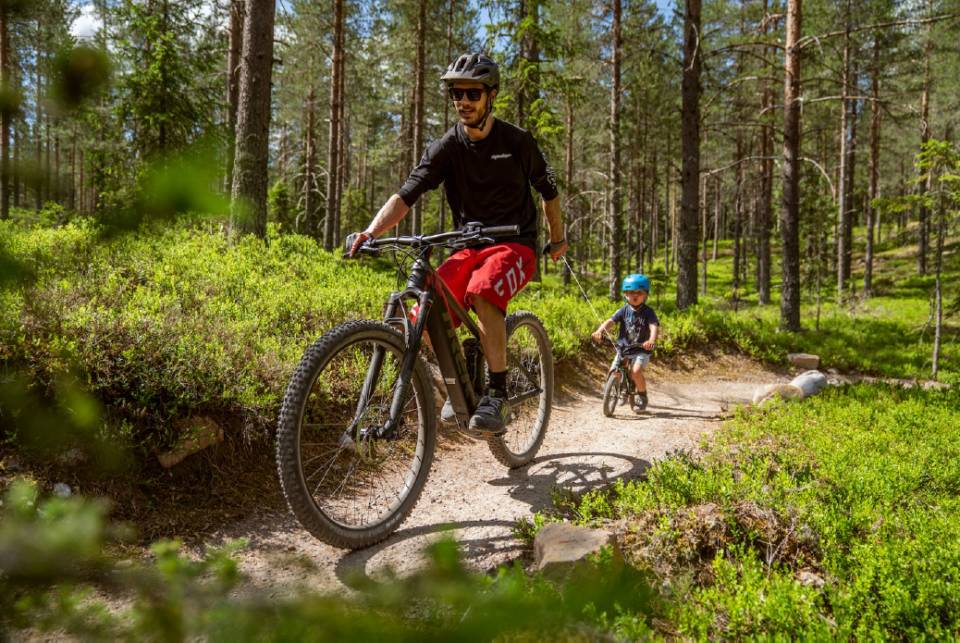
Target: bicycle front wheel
(347,482)
(529,390)
(611,394)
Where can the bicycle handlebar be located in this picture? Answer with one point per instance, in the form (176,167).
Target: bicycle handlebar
(470,233)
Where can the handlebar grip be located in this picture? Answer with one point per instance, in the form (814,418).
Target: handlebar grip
(501,230)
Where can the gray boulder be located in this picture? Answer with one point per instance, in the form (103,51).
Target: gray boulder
(558,547)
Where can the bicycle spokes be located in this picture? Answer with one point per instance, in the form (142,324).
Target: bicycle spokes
(355,471)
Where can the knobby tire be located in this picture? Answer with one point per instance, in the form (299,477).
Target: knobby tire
(529,357)
(338,355)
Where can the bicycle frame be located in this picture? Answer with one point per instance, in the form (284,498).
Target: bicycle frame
(424,286)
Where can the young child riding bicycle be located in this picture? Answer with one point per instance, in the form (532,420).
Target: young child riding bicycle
(639,329)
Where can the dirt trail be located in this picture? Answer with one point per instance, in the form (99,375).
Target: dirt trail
(478,501)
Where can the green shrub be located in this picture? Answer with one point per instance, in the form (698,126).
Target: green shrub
(838,517)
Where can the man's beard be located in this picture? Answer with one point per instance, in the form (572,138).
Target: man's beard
(473,119)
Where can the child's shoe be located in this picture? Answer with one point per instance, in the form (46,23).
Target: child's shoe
(639,402)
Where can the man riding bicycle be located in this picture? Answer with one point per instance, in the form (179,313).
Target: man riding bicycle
(487,167)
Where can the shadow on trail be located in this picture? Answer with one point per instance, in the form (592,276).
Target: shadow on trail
(576,472)
(532,484)
(351,569)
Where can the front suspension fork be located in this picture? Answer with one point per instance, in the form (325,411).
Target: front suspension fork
(404,378)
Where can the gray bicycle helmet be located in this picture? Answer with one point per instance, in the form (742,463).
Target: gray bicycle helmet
(473,67)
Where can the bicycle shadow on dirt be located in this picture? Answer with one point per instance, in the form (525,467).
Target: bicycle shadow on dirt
(574,472)
(665,413)
(351,569)
(533,484)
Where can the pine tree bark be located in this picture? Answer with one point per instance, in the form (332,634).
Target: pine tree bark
(446,106)
(790,206)
(418,116)
(616,205)
(233,82)
(874,165)
(938,284)
(333,141)
(249,194)
(5,83)
(923,233)
(343,160)
(310,167)
(764,215)
(843,195)
(568,173)
(690,138)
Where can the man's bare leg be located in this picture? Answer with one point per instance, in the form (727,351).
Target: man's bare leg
(493,412)
(493,333)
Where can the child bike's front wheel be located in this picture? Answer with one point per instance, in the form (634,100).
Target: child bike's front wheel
(347,481)
(611,393)
(529,390)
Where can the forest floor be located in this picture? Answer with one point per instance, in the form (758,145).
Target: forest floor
(475,500)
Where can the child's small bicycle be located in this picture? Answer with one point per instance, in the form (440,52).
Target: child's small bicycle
(619,387)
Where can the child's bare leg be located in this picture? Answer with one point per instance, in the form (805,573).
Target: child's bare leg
(636,374)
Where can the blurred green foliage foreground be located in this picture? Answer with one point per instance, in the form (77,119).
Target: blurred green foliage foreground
(833,518)
(54,577)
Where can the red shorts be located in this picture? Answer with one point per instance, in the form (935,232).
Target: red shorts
(495,273)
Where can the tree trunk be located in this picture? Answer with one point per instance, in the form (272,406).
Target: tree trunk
(5,87)
(249,208)
(764,218)
(690,137)
(233,83)
(333,141)
(446,106)
(874,165)
(17,142)
(703,234)
(616,214)
(418,117)
(923,235)
(843,196)
(738,249)
(310,168)
(568,177)
(790,209)
(938,285)
(343,159)
(37,122)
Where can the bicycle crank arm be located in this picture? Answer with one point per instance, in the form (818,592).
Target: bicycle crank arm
(525,396)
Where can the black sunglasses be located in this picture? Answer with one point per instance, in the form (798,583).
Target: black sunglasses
(473,94)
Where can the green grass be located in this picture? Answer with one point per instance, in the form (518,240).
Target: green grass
(171,322)
(838,517)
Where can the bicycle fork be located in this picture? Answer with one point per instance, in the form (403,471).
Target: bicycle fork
(404,377)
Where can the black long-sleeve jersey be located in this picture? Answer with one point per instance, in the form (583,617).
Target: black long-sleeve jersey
(488,180)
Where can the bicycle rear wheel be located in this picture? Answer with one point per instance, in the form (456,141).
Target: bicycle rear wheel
(347,485)
(529,390)
(611,394)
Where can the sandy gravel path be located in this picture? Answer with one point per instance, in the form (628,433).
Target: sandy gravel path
(476,500)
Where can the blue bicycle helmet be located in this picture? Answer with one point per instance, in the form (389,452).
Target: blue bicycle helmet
(635,282)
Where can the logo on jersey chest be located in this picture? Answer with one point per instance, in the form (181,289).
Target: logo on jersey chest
(505,155)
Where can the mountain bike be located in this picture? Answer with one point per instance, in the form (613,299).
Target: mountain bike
(619,387)
(357,428)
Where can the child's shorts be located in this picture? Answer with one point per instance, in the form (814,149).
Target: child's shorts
(640,359)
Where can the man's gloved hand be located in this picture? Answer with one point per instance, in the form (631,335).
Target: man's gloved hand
(556,249)
(359,239)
